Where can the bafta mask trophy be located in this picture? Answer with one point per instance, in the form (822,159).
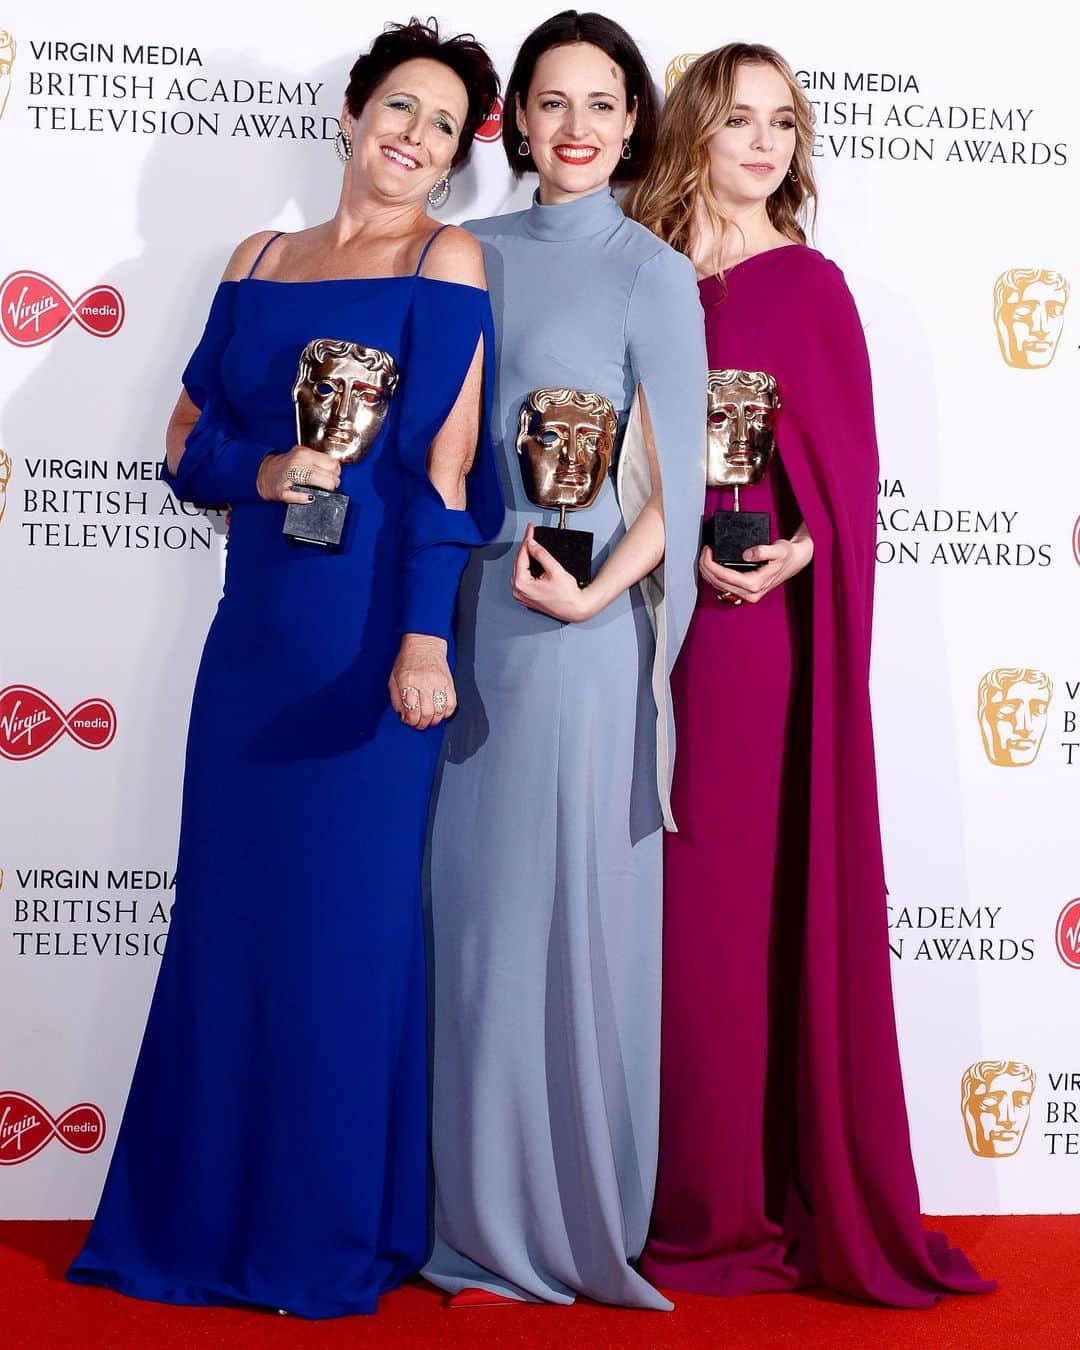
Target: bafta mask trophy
(743,405)
(565,438)
(342,392)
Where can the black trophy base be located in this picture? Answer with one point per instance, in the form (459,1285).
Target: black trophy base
(729,533)
(572,549)
(320,522)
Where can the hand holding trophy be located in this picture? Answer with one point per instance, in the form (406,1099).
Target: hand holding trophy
(342,393)
(564,443)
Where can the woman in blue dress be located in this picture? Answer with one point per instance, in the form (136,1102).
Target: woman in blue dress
(274,1149)
(546,843)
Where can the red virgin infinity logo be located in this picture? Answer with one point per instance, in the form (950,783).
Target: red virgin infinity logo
(490,129)
(30,722)
(33,309)
(26,1127)
(1067,934)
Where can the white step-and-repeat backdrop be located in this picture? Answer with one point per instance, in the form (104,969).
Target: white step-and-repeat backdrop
(135,151)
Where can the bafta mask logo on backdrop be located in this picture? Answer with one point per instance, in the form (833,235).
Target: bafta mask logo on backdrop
(995,1101)
(34,309)
(30,722)
(8,48)
(677,68)
(1013,707)
(1029,311)
(5,479)
(26,1127)
(490,129)
(1067,934)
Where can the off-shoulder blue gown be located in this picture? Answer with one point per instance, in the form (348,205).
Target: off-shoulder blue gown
(274,1149)
(546,842)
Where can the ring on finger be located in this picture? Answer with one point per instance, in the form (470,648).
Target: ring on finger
(729,597)
(438,700)
(410,704)
(299,474)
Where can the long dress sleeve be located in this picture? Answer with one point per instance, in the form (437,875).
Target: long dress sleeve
(446,324)
(827,438)
(858,1169)
(666,343)
(218,465)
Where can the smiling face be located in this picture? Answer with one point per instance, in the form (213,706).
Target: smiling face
(342,392)
(564,440)
(575,119)
(743,406)
(407,133)
(751,150)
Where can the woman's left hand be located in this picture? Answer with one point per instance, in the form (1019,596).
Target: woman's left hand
(556,592)
(422,689)
(783,559)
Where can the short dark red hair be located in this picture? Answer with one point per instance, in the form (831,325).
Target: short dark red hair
(412,41)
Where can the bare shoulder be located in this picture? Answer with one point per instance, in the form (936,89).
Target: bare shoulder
(244,255)
(456,256)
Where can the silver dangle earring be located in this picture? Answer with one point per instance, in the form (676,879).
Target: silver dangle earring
(438,192)
(793,175)
(523,149)
(343,145)
(626,152)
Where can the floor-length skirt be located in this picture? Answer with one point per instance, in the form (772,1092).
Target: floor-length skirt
(727,1198)
(273,1148)
(545,895)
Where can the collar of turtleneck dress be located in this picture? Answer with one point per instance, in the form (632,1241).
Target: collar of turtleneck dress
(573,219)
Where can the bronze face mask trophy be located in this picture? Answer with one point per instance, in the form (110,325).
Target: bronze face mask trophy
(564,443)
(342,393)
(743,405)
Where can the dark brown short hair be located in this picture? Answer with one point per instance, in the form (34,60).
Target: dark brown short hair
(412,41)
(561,31)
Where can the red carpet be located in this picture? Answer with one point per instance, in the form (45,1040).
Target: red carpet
(1036,1260)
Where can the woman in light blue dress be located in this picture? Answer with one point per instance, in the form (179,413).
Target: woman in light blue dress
(546,838)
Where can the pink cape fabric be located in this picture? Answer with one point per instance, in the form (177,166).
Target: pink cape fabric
(851,1217)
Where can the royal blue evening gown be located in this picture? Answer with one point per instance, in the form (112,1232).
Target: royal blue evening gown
(274,1147)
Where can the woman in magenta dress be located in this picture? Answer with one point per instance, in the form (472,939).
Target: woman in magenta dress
(784,1150)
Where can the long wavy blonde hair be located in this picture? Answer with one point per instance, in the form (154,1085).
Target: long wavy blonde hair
(677,186)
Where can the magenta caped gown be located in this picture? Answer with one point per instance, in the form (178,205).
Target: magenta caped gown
(784,1151)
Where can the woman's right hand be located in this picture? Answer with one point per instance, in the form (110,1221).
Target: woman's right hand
(277,472)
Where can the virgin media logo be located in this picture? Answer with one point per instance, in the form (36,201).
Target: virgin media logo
(34,309)
(30,722)
(490,129)
(1076,540)
(1067,934)
(26,1127)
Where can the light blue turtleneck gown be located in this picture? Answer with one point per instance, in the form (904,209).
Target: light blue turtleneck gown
(546,838)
